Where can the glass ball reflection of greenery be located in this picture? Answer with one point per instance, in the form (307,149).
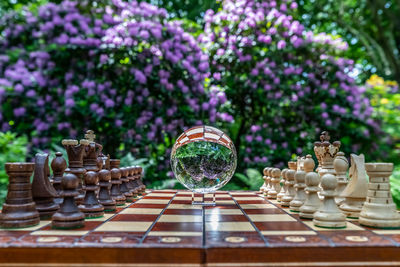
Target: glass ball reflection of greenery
(203,166)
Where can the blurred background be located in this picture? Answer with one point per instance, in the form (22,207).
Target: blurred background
(271,74)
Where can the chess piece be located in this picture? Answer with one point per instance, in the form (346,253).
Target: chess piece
(92,152)
(275,186)
(289,193)
(135,177)
(124,184)
(75,154)
(265,185)
(115,191)
(312,202)
(58,166)
(105,186)
(299,186)
(329,215)
(43,192)
(283,186)
(130,181)
(355,192)
(142,187)
(91,206)
(341,165)
(69,216)
(326,152)
(300,163)
(19,210)
(379,211)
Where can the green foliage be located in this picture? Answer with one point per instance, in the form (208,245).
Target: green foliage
(395,186)
(250,180)
(212,150)
(12,149)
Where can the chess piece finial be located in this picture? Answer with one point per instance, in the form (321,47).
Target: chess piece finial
(355,192)
(329,215)
(290,192)
(69,216)
(19,210)
(43,192)
(312,202)
(325,153)
(379,211)
(275,186)
(90,136)
(341,165)
(283,187)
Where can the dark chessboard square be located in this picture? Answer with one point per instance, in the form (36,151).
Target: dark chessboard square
(264,211)
(183,212)
(178,227)
(261,201)
(280,226)
(225,218)
(148,206)
(89,225)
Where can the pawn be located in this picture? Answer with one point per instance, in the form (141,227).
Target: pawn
(91,206)
(142,187)
(266,181)
(289,194)
(329,215)
(104,193)
(312,202)
(300,196)
(68,216)
(115,191)
(58,166)
(124,185)
(341,165)
(275,186)
(283,187)
(264,186)
(132,182)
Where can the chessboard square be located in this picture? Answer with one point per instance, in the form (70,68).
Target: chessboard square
(178,227)
(271,218)
(280,233)
(60,232)
(226,218)
(140,211)
(349,227)
(160,195)
(242,193)
(256,201)
(173,233)
(180,218)
(152,201)
(184,206)
(387,232)
(188,198)
(257,206)
(265,211)
(247,198)
(124,227)
(229,226)
(287,210)
(33,228)
(134,218)
(180,193)
(281,226)
(223,211)
(224,202)
(217,196)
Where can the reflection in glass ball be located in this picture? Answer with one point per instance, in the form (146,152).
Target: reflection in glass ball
(203,159)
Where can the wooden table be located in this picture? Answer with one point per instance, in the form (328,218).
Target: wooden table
(162,228)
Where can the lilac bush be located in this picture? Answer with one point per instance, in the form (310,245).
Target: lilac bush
(284,84)
(122,69)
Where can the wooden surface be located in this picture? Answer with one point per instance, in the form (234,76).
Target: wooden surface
(162,228)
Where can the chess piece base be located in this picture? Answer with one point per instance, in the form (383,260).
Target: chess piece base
(329,220)
(352,207)
(295,205)
(63,221)
(109,205)
(329,225)
(285,201)
(376,216)
(92,211)
(382,224)
(46,209)
(18,216)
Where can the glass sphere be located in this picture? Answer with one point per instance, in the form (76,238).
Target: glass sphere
(203,159)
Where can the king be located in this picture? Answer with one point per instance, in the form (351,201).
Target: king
(326,153)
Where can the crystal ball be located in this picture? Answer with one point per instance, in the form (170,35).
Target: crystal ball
(203,159)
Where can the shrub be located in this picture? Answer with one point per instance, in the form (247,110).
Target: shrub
(284,85)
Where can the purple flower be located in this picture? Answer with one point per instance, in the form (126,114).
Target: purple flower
(69,103)
(281,44)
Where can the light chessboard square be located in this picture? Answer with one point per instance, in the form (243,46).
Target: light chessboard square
(288,233)
(217,196)
(189,198)
(229,226)
(141,211)
(257,206)
(61,232)
(224,201)
(180,218)
(184,206)
(160,195)
(152,201)
(271,218)
(242,193)
(350,227)
(217,211)
(33,228)
(101,219)
(247,198)
(124,227)
(287,210)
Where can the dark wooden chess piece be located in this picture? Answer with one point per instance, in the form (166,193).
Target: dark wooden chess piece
(75,159)
(58,165)
(43,192)
(91,206)
(124,185)
(131,186)
(104,174)
(142,187)
(19,210)
(135,185)
(115,191)
(69,216)
(92,152)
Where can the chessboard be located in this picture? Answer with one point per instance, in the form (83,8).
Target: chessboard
(163,228)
